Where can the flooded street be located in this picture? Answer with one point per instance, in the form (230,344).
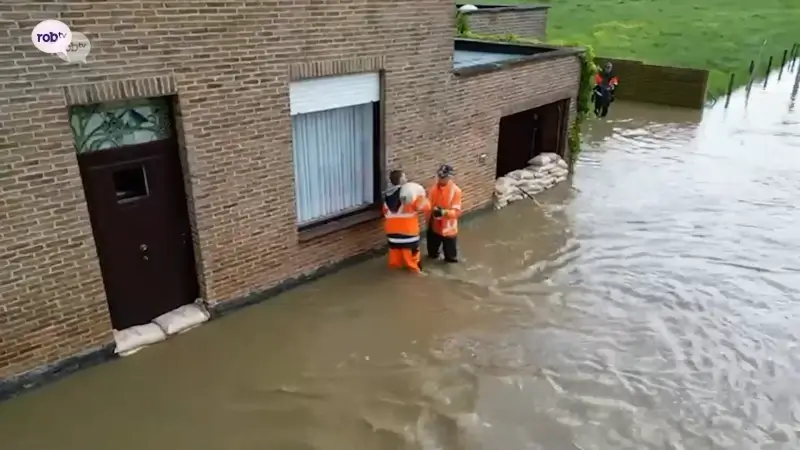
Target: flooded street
(652,304)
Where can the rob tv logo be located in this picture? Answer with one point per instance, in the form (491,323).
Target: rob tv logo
(51,36)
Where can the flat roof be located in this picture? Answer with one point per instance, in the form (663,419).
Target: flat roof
(471,56)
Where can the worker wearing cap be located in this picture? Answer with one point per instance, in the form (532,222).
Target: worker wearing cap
(445,200)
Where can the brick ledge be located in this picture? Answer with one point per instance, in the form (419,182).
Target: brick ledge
(108,91)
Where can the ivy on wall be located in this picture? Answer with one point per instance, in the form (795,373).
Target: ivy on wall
(462,25)
(588,71)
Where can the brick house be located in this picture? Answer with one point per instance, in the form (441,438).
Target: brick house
(218,150)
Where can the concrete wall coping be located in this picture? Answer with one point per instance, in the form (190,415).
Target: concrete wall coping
(499,8)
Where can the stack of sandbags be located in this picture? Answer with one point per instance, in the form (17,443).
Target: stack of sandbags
(133,339)
(543,172)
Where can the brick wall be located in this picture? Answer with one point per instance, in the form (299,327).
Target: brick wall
(673,86)
(229,65)
(525,21)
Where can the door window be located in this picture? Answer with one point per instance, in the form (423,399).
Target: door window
(130,184)
(105,126)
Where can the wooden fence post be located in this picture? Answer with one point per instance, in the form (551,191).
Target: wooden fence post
(783,63)
(730,90)
(796,85)
(766,72)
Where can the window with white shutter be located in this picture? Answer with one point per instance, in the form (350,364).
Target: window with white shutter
(335,129)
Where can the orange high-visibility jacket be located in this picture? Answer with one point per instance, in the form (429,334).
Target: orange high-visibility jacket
(448,198)
(401,222)
(600,78)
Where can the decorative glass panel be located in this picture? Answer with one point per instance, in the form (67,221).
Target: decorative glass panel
(333,157)
(111,125)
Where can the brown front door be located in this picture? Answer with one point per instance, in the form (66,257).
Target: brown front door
(516,141)
(555,117)
(141,227)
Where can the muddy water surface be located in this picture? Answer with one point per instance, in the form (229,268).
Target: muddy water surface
(652,304)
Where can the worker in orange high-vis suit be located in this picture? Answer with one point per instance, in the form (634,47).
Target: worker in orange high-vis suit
(445,200)
(401,224)
(605,85)
(606,76)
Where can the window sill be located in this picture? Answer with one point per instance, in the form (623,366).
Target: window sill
(338,225)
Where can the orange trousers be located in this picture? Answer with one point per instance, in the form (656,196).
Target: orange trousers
(405,258)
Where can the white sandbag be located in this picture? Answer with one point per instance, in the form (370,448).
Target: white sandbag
(552,156)
(561,179)
(563,164)
(182,319)
(515,175)
(547,181)
(543,159)
(539,169)
(527,184)
(533,188)
(515,197)
(410,191)
(539,160)
(500,204)
(552,168)
(502,185)
(544,180)
(526,174)
(133,339)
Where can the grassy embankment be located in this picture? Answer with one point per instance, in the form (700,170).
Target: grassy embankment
(722,36)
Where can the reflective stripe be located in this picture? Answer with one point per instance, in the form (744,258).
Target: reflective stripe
(403,240)
(391,215)
(451,224)
(452,194)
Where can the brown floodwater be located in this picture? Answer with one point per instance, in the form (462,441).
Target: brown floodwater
(654,303)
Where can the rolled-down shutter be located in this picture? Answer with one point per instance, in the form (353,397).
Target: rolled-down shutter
(320,94)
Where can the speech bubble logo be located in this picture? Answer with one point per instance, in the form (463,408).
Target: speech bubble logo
(51,36)
(77,50)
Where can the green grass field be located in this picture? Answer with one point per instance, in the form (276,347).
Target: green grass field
(720,35)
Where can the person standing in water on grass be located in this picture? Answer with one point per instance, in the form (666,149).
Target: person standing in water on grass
(605,83)
(445,200)
(606,76)
(401,223)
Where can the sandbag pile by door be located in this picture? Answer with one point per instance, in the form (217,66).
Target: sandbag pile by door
(543,172)
(180,320)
